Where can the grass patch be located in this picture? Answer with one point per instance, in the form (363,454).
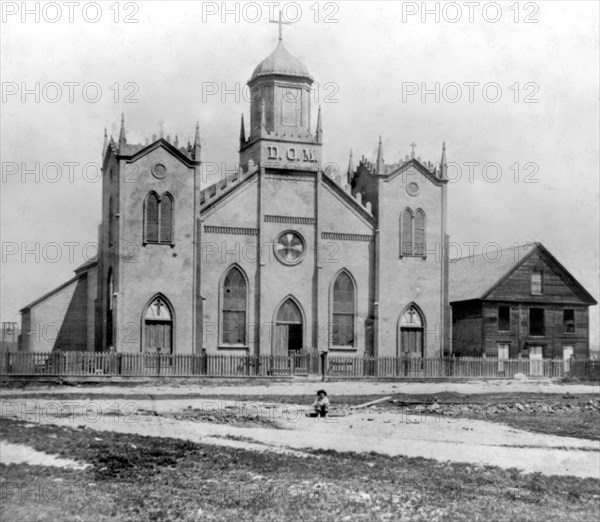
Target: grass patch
(148,478)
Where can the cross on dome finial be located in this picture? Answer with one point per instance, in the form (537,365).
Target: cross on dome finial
(412,154)
(281,23)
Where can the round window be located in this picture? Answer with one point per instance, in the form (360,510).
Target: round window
(412,189)
(159,171)
(290,247)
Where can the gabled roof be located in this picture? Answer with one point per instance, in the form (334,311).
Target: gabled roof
(80,271)
(345,196)
(422,169)
(223,188)
(135,152)
(477,276)
(87,265)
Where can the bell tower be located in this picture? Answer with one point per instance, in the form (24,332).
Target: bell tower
(280,134)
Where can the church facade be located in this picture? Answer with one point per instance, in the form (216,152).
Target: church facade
(277,258)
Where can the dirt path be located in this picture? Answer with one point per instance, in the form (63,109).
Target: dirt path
(385,432)
(20,454)
(244,387)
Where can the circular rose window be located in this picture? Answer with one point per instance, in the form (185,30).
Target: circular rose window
(289,248)
(412,189)
(159,171)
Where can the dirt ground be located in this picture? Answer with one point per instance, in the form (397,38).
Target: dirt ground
(185,414)
(264,387)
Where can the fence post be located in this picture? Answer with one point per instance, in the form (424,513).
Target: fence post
(323,364)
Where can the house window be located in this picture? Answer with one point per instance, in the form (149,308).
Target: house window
(412,233)
(158,219)
(233,319)
(536,321)
(503,318)
(536,282)
(568,320)
(343,311)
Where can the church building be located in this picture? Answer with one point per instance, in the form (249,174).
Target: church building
(277,258)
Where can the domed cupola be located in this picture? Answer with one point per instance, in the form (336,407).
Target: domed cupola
(281,63)
(281,135)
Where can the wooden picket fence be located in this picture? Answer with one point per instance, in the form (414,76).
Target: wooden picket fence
(81,364)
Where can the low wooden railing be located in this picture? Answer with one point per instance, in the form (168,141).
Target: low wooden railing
(181,365)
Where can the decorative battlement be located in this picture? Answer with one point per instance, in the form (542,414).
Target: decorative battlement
(214,191)
(358,198)
(123,148)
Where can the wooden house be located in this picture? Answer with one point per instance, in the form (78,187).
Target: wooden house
(516,303)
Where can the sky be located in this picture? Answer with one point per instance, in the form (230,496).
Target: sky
(511,88)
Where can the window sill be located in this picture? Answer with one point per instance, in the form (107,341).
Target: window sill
(233,347)
(343,348)
(413,255)
(146,243)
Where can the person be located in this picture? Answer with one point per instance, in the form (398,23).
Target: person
(321,405)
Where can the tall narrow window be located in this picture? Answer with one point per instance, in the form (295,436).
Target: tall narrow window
(419,233)
(343,311)
(569,320)
(158,219)
(166,219)
(536,321)
(537,282)
(406,233)
(503,318)
(234,308)
(151,221)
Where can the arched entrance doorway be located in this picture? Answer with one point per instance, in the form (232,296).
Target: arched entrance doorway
(288,333)
(158,327)
(410,334)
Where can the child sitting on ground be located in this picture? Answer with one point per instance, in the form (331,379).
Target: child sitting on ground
(321,405)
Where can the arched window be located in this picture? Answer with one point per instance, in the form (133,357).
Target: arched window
(233,330)
(166,218)
(343,311)
(411,333)
(419,233)
(151,219)
(158,327)
(158,219)
(412,233)
(406,233)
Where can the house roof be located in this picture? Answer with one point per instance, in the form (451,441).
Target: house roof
(475,277)
(80,271)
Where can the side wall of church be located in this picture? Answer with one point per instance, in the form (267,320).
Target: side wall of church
(347,241)
(409,279)
(229,238)
(149,269)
